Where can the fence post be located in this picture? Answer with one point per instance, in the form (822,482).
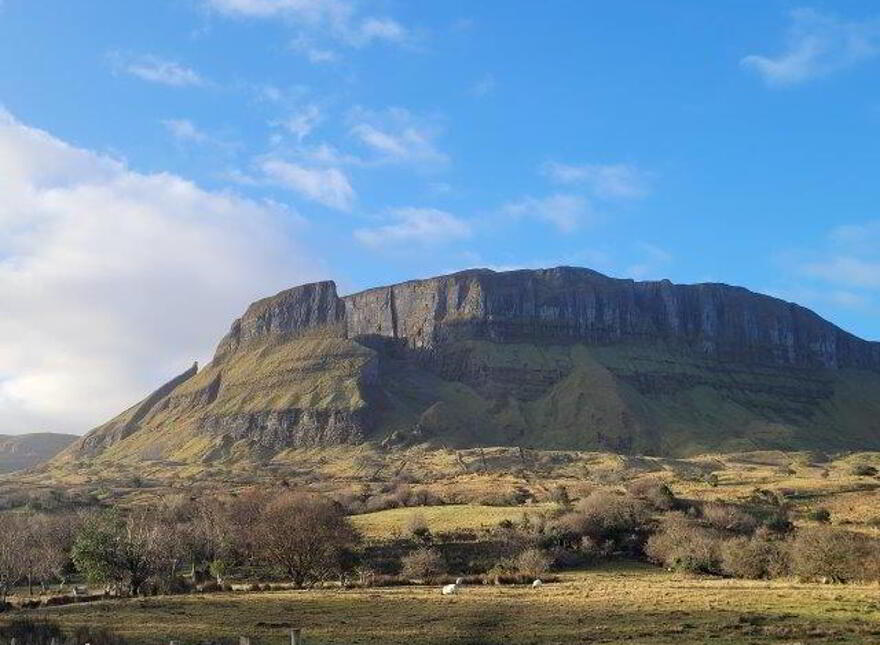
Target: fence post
(296,636)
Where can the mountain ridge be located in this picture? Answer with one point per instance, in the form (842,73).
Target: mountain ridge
(563,358)
(22,451)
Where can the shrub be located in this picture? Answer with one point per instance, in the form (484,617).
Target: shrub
(423,564)
(821,515)
(533,562)
(607,517)
(683,545)
(755,557)
(416,527)
(864,470)
(559,495)
(825,552)
(654,492)
(729,518)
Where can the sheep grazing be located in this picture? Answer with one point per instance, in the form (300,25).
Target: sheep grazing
(449,590)
(537,583)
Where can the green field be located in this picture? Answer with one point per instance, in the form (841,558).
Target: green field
(615,604)
(393,521)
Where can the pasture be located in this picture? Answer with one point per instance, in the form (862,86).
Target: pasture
(620,603)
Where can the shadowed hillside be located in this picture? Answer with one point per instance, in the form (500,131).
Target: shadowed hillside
(18,452)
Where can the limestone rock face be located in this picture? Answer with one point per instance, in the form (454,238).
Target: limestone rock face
(563,358)
(566,304)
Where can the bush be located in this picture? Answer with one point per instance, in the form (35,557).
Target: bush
(533,563)
(654,492)
(683,545)
(821,515)
(606,517)
(825,552)
(864,470)
(423,564)
(756,557)
(416,527)
(729,518)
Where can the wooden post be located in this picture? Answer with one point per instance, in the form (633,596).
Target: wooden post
(296,636)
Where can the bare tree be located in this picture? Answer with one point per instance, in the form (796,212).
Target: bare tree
(306,536)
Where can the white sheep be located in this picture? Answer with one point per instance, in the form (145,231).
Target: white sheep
(537,583)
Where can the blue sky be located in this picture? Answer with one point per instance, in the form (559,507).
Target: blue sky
(165,163)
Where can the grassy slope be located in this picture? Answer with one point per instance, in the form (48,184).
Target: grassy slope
(669,403)
(383,524)
(621,604)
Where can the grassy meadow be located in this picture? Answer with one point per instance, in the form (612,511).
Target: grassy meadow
(613,602)
(623,603)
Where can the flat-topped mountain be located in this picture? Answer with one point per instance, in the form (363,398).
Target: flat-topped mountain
(563,358)
(18,452)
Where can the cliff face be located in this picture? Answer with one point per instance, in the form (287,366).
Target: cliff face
(556,358)
(564,305)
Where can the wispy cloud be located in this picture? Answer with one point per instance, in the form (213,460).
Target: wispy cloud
(851,258)
(185,130)
(327,186)
(608,181)
(421,226)
(398,136)
(483,87)
(817,44)
(302,121)
(652,262)
(321,21)
(565,211)
(158,70)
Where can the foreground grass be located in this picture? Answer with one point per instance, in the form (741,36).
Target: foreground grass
(625,604)
(383,524)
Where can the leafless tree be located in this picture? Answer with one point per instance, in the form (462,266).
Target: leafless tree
(306,536)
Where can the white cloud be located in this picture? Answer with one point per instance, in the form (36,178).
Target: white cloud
(313,52)
(396,135)
(338,21)
(484,87)
(652,263)
(327,186)
(565,211)
(817,45)
(301,122)
(851,258)
(185,130)
(422,226)
(112,280)
(608,181)
(158,70)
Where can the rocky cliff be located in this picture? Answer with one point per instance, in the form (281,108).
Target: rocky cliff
(564,358)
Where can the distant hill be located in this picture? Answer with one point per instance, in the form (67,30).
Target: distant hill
(563,358)
(18,452)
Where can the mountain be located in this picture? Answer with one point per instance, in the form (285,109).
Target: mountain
(18,452)
(563,358)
